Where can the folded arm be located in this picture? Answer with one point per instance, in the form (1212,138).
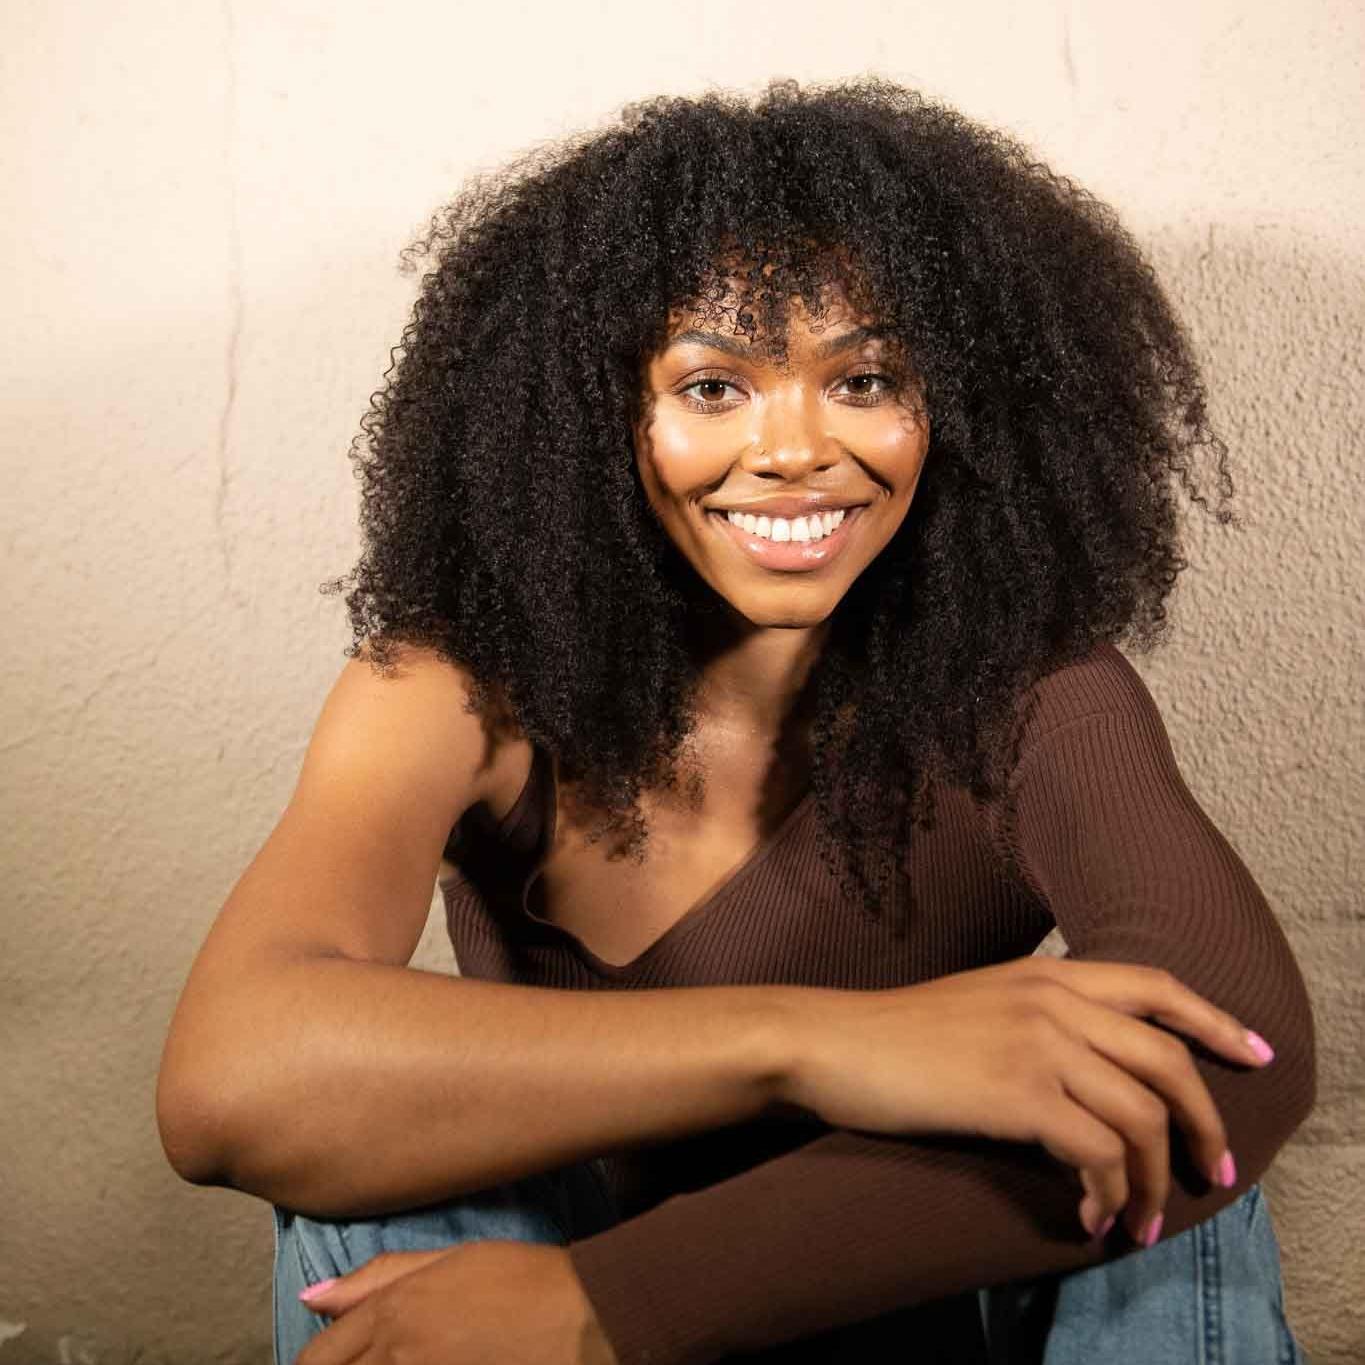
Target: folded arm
(1099,823)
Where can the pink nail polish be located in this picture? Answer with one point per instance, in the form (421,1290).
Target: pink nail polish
(1227,1171)
(1260,1047)
(1153,1230)
(314,1290)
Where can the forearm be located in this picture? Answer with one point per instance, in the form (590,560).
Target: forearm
(852,1225)
(358,1088)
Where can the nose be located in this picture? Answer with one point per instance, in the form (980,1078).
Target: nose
(788,439)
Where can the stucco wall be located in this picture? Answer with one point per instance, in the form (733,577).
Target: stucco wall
(204,206)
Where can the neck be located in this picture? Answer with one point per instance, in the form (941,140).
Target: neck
(752,678)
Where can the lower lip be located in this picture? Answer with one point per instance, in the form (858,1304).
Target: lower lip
(789,555)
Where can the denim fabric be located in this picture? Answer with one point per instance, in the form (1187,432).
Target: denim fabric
(554,1207)
(1211,1295)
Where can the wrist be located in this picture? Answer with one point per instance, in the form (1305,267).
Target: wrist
(787,1046)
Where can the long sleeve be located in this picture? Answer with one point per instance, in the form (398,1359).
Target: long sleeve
(1098,822)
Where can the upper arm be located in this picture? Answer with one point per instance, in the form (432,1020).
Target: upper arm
(349,868)
(1102,826)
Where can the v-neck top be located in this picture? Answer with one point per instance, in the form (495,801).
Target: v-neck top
(503,860)
(777,1233)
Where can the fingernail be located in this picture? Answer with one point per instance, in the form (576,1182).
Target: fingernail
(1227,1171)
(1260,1047)
(1102,1230)
(1153,1230)
(314,1290)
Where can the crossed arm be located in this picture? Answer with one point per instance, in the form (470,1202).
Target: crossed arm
(1100,824)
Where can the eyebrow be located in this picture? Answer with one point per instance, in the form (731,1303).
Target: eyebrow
(718,341)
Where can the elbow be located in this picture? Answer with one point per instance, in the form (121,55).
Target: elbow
(1285,1091)
(208,1110)
(192,1124)
(1297,1081)
(217,1130)
(1295,1068)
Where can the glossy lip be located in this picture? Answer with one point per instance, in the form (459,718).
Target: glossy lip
(791,555)
(789,507)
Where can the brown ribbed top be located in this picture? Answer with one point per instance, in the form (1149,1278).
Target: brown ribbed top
(779,1231)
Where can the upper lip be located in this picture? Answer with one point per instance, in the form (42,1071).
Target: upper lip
(790,506)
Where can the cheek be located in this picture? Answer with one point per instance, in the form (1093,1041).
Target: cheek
(683,459)
(895,450)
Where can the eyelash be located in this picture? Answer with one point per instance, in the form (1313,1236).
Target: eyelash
(859,400)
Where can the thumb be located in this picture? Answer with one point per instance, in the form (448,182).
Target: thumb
(337,1296)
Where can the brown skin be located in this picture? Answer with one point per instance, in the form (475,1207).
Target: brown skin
(729,429)
(531,1310)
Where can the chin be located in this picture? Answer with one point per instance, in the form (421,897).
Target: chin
(783,615)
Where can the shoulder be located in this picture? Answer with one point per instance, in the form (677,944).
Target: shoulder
(1102,683)
(416,708)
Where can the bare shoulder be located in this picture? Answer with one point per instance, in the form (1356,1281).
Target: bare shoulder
(414,716)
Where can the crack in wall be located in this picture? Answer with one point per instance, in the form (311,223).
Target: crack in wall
(235,301)
(1068,62)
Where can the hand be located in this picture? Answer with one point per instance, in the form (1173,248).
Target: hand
(478,1303)
(1036,1050)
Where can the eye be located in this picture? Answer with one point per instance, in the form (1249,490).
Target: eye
(706,381)
(862,396)
(865,397)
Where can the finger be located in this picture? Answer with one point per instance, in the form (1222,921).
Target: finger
(1141,990)
(1074,1135)
(345,1292)
(341,1342)
(1163,1062)
(1141,1120)
(1092,1212)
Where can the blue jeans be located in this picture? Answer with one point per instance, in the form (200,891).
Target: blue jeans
(1211,1295)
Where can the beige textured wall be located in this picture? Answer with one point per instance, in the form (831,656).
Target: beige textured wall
(204,202)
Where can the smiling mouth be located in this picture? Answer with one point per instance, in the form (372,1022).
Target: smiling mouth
(788,554)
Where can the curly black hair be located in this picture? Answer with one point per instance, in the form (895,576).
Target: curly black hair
(1060,385)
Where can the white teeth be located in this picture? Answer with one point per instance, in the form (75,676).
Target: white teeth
(813,527)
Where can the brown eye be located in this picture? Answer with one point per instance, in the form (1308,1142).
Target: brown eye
(706,382)
(865,397)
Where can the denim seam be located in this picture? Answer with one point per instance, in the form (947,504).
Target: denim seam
(297,1244)
(1209,1292)
(275,1291)
(310,1271)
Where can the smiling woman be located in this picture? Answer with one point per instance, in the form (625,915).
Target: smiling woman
(745,486)
(761,491)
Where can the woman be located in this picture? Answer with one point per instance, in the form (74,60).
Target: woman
(751,516)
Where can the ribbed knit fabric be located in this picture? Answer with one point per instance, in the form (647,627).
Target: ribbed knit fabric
(753,1236)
